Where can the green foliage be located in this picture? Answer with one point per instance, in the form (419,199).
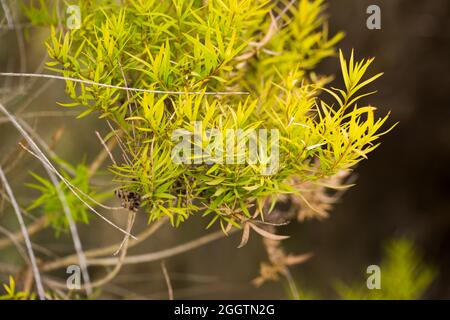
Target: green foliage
(13,294)
(39,12)
(51,205)
(182,46)
(299,46)
(403,276)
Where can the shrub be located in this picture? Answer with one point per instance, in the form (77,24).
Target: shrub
(229,65)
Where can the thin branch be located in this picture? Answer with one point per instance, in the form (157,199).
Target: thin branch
(124,248)
(42,114)
(73,231)
(75,190)
(14,239)
(166,276)
(35,94)
(37,275)
(22,53)
(200,290)
(20,91)
(19,37)
(73,259)
(37,226)
(128,98)
(111,275)
(131,278)
(17,238)
(124,244)
(293,287)
(8,16)
(18,25)
(163,254)
(48,164)
(43,144)
(149,257)
(106,152)
(50,76)
(286,9)
(120,142)
(24,212)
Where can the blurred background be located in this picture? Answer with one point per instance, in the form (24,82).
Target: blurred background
(403,190)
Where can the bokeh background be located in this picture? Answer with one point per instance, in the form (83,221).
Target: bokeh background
(402,191)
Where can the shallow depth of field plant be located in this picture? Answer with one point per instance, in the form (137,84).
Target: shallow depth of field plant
(150,69)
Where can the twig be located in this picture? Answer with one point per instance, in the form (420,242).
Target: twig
(24,212)
(124,248)
(287,274)
(20,39)
(10,160)
(73,231)
(174,276)
(28,280)
(48,164)
(73,259)
(35,94)
(22,54)
(128,98)
(74,189)
(202,290)
(120,142)
(37,226)
(149,257)
(17,25)
(111,275)
(163,254)
(50,76)
(8,16)
(42,114)
(37,276)
(14,239)
(166,276)
(102,156)
(285,9)
(124,244)
(43,144)
(29,84)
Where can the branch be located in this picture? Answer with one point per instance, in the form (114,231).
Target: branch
(124,248)
(73,230)
(73,259)
(163,254)
(50,76)
(101,157)
(166,276)
(41,156)
(149,257)
(37,226)
(13,239)
(43,114)
(111,275)
(37,275)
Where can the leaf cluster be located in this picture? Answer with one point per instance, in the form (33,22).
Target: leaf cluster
(13,294)
(190,49)
(50,204)
(404,276)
